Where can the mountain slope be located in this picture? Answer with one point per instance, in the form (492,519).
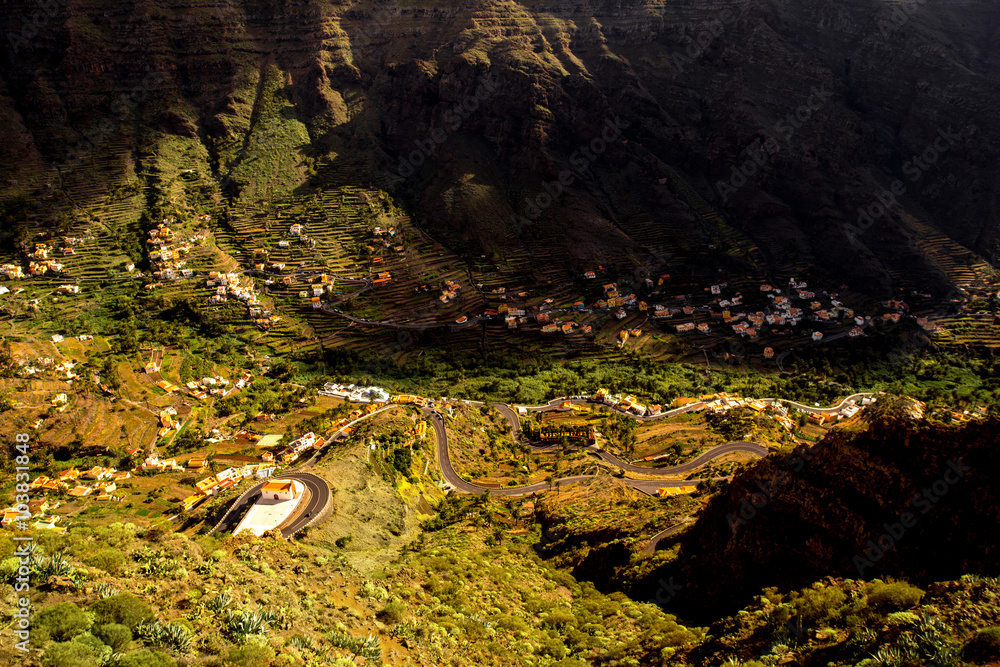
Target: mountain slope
(469,114)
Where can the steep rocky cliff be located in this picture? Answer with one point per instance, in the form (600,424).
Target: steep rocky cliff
(735,133)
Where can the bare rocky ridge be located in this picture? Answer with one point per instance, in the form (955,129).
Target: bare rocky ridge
(823,104)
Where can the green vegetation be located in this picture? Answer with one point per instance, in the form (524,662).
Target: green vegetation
(893,595)
(821,376)
(63,621)
(123,609)
(74,654)
(840,619)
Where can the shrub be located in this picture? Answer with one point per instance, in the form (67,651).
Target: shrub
(552,647)
(63,621)
(893,595)
(240,626)
(251,654)
(392,613)
(212,644)
(219,603)
(93,642)
(342,542)
(813,605)
(71,654)
(56,565)
(147,658)
(370,590)
(109,560)
(8,569)
(115,635)
(125,609)
(570,662)
(560,618)
(512,623)
(984,647)
(402,459)
(105,590)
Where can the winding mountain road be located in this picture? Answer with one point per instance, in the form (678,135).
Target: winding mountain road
(667,532)
(320,490)
(647,486)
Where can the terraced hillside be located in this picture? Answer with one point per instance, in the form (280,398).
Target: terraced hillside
(649,118)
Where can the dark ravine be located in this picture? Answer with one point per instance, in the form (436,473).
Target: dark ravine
(700,90)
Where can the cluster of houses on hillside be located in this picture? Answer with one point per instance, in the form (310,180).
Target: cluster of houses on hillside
(775,311)
(297,234)
(558,326)
(38,511)
(47,366)
(385,237)
(722,402)
(232,284)
(778,316)
(311,441)
(323,283)
(227,479)
(626,403)
(449,291)
(613,299)
(154,463)
(98,482)
(42,258)
(216,386)
(296,447)
(166,251)
(11,271)
(242,288)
